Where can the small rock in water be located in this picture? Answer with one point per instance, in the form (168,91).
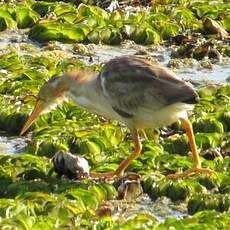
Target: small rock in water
(212,153)
(213,27)
(71,166)
(129,187)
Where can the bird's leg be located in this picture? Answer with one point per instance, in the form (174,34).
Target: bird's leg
(195,155)
(124,164)
(137,150)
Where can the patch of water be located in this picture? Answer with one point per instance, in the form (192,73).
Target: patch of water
(14,39)
(11,145)
(218,74)
(161,209)
(103,53)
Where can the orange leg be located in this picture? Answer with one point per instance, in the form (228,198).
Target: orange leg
(124,164)
(196,159)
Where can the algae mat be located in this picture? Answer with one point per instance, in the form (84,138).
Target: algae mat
(40,39)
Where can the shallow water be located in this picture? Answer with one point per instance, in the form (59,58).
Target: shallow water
(161,209)
(11,145)
(219,73)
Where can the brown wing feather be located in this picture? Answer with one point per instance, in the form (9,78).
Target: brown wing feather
(130,83)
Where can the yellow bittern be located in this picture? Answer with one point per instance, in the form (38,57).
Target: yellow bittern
(131,90)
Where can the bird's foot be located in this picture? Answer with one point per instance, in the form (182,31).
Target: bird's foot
(190,172)
(106,175)
(115,175)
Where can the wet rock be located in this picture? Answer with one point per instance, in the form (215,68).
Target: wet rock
(21,187)
(213,27)
(208,125)
(180,39)
(182,63)
(225,120)
(201,51)
(52,45)
(142,52)
(214,54)
(129,187)
(104,211)
(112,5)
(71,166)
(211,153)
(32,174)
(82,49)
(206,64)
(216,202)
(208,49)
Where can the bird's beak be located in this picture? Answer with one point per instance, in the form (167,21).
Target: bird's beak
(39,107)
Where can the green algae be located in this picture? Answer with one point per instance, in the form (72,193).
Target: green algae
(32,197)
(90,23)
(216,202)
(39,193)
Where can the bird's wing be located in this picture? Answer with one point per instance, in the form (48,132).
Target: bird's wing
(131,83)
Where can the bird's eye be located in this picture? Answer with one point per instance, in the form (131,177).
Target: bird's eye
(53,79)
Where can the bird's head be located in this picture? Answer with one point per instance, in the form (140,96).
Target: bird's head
(51,94)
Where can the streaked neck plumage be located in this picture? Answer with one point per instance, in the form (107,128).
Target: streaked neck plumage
(84,89)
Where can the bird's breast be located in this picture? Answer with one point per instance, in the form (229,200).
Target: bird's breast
(162,117)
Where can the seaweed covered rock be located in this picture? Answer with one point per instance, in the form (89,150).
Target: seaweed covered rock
(175,190)
(129,187)
(21,187)
(6,20)
(12,123)
(208,125)
(200,220)
(216,202)
(213,27)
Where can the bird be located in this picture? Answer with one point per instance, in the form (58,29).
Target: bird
(133,91)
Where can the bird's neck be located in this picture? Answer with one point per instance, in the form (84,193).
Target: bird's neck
(84,91)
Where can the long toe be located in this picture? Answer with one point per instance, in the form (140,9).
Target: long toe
(204,171)
(115,175)
(106,175)
(191,172)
